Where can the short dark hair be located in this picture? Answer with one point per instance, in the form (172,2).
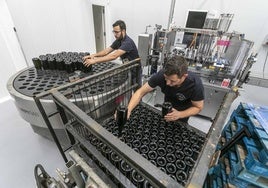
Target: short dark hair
(176,65)
(121,24)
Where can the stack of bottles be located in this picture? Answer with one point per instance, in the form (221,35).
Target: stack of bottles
(68,61)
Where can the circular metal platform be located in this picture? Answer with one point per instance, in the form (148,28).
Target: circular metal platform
(31,81)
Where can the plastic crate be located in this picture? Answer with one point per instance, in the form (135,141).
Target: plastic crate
(261,113)
(229,180)
(234,163)
(263,137)
(228,135)
(258,115)
(244,122)
(264,157)
(250,142)
(217,176)
(248,160)
(253,163)
(233,180)
(248,173)
(256,121)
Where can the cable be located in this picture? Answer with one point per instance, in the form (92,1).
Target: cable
(193,41)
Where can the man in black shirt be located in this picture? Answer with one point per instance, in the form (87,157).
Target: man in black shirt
(123,47)
(183,89)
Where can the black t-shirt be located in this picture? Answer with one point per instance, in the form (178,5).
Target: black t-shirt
(192,89)
(128,45)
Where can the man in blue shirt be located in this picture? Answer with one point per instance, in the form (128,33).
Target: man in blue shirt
(183,89)
(123,47)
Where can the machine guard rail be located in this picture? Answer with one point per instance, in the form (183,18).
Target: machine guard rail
(74,111)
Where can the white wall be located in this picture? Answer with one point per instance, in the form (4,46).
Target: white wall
(11,57)
(51,26)
(138,14)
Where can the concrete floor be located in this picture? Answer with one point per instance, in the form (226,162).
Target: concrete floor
(21,149)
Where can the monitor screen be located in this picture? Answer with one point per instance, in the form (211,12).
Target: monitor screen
(195,19)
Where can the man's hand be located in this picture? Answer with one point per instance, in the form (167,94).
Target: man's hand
(173,115)
(89,62)
(128,114)
(88,57)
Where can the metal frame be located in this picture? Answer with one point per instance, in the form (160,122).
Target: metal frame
(207,31)
(199,176)
(71,113)
(155,176)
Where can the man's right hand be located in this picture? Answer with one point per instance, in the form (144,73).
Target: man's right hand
(128,114)
(89,62)
(88,57)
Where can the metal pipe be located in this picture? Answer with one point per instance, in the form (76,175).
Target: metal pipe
(171,12)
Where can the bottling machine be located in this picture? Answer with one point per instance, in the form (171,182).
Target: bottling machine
(219,60)
(216,55)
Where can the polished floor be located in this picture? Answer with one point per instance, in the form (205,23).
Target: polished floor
(21,149)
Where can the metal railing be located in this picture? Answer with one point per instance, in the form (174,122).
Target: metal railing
(84,104)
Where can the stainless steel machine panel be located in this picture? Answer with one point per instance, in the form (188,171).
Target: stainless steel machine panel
(213,100)
(144,45)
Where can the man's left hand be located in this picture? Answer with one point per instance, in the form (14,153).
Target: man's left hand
(173,116)
(89,62)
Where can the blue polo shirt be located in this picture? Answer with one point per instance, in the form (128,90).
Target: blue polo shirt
(192,89)
(128,45)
